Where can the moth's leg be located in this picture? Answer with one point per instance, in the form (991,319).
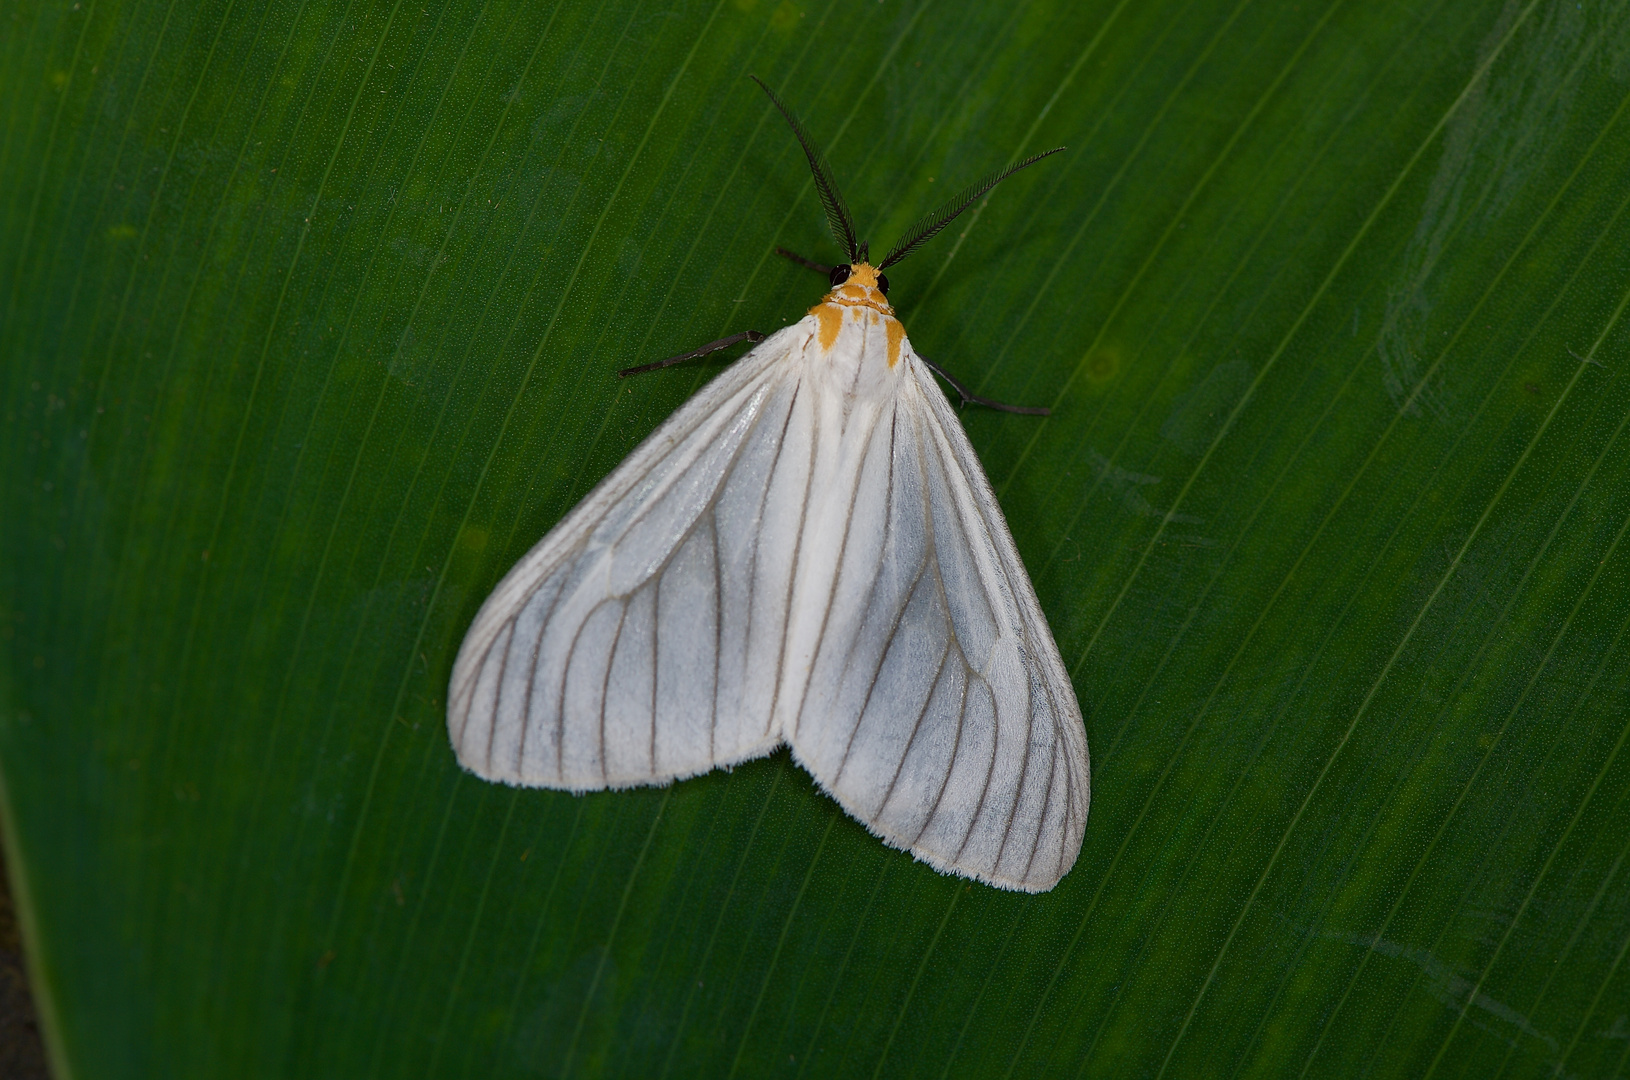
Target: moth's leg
(809,264)
(712,346)
(975,399)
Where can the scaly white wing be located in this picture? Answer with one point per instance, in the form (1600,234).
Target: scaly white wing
(639,641)
(643,638)
(938,711)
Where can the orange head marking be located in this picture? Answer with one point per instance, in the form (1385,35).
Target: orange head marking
(859,285)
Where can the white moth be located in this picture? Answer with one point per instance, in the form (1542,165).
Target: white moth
(807,553)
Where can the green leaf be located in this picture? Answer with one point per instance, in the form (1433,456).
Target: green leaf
(309,316)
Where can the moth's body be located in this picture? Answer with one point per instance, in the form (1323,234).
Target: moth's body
(849,347)
(806,553)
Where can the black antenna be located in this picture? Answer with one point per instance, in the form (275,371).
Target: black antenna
(837,211)
(926,228)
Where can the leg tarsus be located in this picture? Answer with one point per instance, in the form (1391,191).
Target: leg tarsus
(969,398)
(810,264)
(713,346)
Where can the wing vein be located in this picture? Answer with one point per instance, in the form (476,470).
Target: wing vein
(797,554)
(931,556)
(656,660)
(763,501)
(565,674)
(1046,801)
(532,672)
(956,748)
(871,685)
(605,687)
(498,688)
(826,616)
(1024,774)
(995,748)
(928,699)
(718,634)
(888,535)
(882,658)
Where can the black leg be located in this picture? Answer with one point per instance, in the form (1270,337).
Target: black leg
(801,261)
(712,346)
(975,399)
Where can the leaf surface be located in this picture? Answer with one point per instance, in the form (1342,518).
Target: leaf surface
(310,315)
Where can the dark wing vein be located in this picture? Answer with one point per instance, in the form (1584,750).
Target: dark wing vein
(832,592)
(871,591)
(995,743)
(882,660)
(532,670)
(605,686)
(928,699)
(1046,801)
(950,766)
(752,564)
(565,677)
(797,553)
(718,631)
(508,637)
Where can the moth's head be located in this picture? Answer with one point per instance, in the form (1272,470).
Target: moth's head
(859,283)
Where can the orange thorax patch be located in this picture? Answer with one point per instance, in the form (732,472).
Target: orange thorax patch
(860,290)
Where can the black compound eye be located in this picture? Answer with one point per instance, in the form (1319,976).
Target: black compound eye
(839,275)
(883,284)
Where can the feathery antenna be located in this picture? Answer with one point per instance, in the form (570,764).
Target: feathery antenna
(930,224)
(837,211)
